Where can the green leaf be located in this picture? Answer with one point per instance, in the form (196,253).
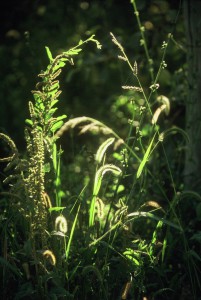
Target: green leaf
(61,117)
(40,106)
(164,248)
(145,158)
(50,113)
(54,86)
(49,54)
(73,51)
(120,189)
(63,60)
(53,102)
(60,64)
(58,123)
(132,256)
(54,157)
(56,70)
(29,122)
(72,233)
(56,126)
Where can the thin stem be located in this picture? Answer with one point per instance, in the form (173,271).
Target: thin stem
(144,43)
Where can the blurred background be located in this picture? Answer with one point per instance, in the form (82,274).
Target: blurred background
(92,86)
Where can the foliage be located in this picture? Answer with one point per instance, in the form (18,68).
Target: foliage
(80,226)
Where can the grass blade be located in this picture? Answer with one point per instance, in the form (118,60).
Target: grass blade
(71,233)
(145,158)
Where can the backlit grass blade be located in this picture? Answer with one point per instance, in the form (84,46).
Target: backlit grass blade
(71,233)
(145,158)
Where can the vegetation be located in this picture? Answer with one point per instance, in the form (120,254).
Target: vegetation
(98,207)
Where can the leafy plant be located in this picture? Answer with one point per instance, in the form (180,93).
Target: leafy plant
(113,235)
(28,215)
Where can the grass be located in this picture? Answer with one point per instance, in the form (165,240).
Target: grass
(116,236)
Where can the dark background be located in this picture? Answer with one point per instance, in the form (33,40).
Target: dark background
(92,85)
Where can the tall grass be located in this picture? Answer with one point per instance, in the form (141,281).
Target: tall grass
(111,239)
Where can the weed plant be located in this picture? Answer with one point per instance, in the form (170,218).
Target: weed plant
(113,235)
